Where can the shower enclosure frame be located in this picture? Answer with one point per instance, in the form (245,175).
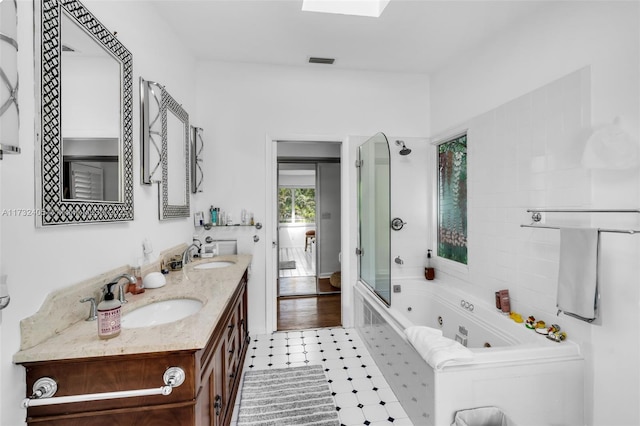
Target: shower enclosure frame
(374,216)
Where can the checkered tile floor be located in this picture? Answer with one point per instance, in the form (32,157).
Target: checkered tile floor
(361,393)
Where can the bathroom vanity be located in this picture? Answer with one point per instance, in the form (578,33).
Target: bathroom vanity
(209,346)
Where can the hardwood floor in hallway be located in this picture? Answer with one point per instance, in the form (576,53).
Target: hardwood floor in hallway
(300,313)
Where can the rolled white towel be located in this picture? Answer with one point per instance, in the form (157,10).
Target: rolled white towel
(453,351)
(422,338)
(434,348)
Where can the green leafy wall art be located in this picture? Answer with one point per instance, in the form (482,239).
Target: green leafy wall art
(452,199)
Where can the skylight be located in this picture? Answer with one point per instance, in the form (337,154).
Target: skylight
(372,8)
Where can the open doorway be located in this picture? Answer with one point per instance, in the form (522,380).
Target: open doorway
(297,272)
(309,236)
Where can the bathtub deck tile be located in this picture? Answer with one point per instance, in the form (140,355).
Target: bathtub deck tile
(361,393)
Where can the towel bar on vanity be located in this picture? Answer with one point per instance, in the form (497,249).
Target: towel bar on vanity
(537,217)
(45,387)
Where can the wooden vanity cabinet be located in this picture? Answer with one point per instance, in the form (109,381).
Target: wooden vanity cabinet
(222,363)
(206,398)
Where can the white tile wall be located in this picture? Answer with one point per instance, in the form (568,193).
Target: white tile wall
(526,154)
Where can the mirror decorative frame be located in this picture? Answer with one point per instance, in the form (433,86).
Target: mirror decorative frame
(150,91)
(10,80)
(52,208)
(171,211)
(150,132)
(197,173)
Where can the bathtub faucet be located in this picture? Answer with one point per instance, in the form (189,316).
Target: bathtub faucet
(399,261)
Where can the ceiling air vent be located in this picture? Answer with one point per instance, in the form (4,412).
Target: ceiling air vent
(314,60)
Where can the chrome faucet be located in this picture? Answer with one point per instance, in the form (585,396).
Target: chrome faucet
(121,290)
(185,255)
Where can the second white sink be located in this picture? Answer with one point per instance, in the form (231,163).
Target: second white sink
(161,313)
(214,264)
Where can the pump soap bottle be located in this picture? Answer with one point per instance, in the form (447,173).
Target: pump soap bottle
(429,271)
(109,314)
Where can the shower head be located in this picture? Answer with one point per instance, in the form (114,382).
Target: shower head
(404,150)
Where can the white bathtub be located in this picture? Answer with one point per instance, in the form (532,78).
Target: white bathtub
(534,380)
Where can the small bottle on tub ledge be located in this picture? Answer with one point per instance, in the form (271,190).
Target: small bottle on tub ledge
(429,271)
(503,302)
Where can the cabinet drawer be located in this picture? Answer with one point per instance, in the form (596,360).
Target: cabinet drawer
(85,376)
(165,415)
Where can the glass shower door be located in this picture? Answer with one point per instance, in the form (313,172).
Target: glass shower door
(374,201)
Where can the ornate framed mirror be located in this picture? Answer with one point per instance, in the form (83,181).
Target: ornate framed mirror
(85,139)
(165,146)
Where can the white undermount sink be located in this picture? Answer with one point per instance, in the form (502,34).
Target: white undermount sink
(160,313)
(214,264)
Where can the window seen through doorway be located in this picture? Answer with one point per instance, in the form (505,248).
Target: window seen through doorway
(297,205)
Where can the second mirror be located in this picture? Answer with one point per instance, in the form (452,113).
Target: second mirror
(165,149)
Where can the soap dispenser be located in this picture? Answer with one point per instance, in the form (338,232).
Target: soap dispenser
(109,314)
(429,271)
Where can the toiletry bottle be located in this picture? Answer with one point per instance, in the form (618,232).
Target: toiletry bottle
(429,271)
(109,314)
(505,302)
(138,287)
(214,216)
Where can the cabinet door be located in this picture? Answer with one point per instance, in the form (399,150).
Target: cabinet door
(244,326)
(219,389)
(233,349)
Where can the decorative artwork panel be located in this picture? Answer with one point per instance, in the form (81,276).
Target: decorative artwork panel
(452,199)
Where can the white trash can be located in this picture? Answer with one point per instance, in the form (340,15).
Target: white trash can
(482,416)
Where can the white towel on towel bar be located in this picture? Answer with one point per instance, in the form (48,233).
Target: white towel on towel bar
(434,348)
(578,272)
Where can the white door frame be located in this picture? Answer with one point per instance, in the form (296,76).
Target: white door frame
(271,228)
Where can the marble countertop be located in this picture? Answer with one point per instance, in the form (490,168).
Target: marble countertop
(213,287)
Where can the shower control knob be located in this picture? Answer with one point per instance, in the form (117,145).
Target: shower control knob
(397,224)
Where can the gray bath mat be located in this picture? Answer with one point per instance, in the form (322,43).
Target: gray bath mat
(287,396)
(288,264)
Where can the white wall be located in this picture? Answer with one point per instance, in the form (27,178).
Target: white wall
(561,39)
(328,221)
(240,105)
(38,261)
(410,202)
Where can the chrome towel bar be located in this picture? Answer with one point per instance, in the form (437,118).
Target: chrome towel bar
(536,217)
(619,231)
(552,210)
(45,387)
